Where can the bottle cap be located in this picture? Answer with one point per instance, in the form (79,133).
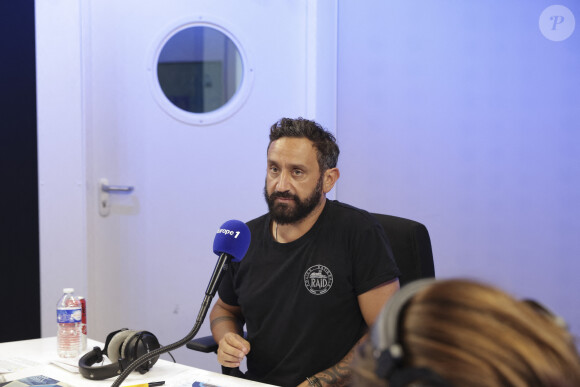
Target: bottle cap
(68,290)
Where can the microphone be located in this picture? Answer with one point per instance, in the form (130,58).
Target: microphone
(230,244)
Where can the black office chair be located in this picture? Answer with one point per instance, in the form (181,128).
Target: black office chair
(411,246)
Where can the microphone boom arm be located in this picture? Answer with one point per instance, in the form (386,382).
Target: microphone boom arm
(218,273)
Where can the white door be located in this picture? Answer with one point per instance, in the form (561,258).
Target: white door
(150,251)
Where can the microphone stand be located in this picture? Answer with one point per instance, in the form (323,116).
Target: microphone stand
(218,272)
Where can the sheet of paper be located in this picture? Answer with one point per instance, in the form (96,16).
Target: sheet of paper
(12,364)
(67,365)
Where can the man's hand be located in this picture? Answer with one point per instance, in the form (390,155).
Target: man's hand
(232,350)
(226,328)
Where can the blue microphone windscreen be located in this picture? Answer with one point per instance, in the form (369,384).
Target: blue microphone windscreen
(232,238)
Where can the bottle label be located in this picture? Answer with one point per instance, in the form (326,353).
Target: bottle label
(68,315)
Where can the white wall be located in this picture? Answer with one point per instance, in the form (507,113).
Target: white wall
(463,116)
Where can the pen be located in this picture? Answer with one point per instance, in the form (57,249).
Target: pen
(152,384)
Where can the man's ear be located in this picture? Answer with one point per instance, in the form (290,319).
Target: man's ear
(330,177)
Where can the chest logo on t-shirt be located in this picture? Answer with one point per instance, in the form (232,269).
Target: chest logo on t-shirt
(318,279)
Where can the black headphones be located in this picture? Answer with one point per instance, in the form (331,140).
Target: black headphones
(122,347)
(387,347)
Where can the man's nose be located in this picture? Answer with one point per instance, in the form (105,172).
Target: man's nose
(283,183)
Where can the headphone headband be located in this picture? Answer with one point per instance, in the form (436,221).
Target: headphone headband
(102,372)
(388,350)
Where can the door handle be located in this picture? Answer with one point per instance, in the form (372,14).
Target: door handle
(116,188)
(105,190)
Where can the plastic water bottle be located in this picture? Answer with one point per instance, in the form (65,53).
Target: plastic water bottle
(68,318)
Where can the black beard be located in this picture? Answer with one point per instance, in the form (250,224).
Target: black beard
(282,214)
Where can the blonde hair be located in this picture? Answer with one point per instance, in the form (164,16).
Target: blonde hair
(472,334)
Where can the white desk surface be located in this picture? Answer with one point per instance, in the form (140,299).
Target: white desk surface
(43,353)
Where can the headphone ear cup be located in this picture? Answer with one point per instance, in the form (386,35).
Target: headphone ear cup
(139,344)
(128,349)
(114,352)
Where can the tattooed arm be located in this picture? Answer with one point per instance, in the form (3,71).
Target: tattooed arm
(226,323)
(370,304)
(337,375)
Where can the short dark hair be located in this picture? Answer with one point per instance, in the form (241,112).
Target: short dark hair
(326,148)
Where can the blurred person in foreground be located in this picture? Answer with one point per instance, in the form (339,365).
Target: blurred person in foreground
(464,333)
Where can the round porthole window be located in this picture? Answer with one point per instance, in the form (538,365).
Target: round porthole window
(200,73)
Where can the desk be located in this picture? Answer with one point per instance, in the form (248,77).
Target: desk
(43,352)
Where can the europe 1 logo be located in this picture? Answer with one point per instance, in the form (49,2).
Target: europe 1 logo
(228,232)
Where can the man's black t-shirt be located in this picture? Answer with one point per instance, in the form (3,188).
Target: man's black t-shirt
(299,299)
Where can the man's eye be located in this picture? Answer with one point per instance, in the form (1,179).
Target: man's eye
(298,172)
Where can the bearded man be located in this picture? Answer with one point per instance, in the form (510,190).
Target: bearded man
(315,276)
